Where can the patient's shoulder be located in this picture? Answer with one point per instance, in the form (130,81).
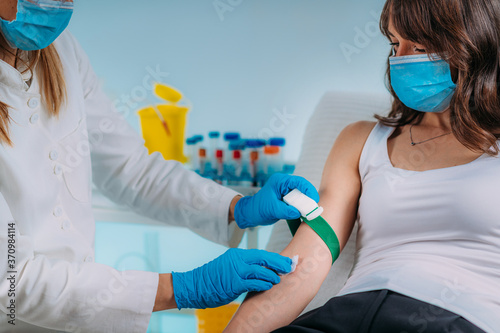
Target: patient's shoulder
(355,134)
(343,161)
(350,142)
(360,128)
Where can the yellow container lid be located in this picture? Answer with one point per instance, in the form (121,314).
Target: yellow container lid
(167,93)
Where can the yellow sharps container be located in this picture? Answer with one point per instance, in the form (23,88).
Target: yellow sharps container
(163,125)
(216,319)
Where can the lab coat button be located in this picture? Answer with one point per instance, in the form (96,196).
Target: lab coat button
(66,225)
(89,259)
(34,118)
(53,155)
(58,211)
(33,102)
(57,169)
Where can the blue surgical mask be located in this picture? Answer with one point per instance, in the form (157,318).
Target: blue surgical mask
(422,84)
(38,23)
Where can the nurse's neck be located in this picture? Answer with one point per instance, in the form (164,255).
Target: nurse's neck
(7,53)
(8,9)
(8,12)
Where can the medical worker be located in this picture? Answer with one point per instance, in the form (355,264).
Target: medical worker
(59,132)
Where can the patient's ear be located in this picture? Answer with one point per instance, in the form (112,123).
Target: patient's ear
(454,74)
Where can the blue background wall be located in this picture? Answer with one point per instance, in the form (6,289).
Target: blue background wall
(238,64)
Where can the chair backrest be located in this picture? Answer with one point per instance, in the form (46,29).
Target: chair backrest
(334,112)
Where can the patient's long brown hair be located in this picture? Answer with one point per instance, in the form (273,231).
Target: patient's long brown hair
(51,80)
(466,33)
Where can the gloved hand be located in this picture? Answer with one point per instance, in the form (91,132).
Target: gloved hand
(266,206)
(224,279)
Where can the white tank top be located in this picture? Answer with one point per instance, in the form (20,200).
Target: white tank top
(432,235)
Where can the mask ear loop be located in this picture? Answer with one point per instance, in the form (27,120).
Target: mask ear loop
(393,51)
(17,56)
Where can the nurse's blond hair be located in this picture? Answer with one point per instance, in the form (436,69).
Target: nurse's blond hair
(52,86)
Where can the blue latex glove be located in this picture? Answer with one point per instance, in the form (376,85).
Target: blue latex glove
(224,279)
(266,206)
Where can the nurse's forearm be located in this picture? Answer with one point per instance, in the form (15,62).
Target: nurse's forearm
(165,296)
(231,208)
(277,307)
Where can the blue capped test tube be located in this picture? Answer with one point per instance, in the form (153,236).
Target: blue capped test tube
(229,137)
(246,178)
(190,143)
(235,162)
(206,169)
(255,149)
(198,139)
(213,145)
(279,142)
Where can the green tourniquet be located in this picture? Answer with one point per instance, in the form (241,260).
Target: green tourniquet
(293,225)
(323,229)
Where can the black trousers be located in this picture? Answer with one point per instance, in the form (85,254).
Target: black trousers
(381,311)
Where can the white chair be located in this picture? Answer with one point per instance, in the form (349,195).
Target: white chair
(334,112)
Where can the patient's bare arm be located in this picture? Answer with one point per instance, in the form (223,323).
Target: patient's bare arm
(339,192)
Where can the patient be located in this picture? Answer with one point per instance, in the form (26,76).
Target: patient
(423,182)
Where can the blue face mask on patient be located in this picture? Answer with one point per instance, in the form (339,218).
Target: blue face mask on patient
(422,84)
(38,23)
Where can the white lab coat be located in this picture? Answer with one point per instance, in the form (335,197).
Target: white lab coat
(45,189)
